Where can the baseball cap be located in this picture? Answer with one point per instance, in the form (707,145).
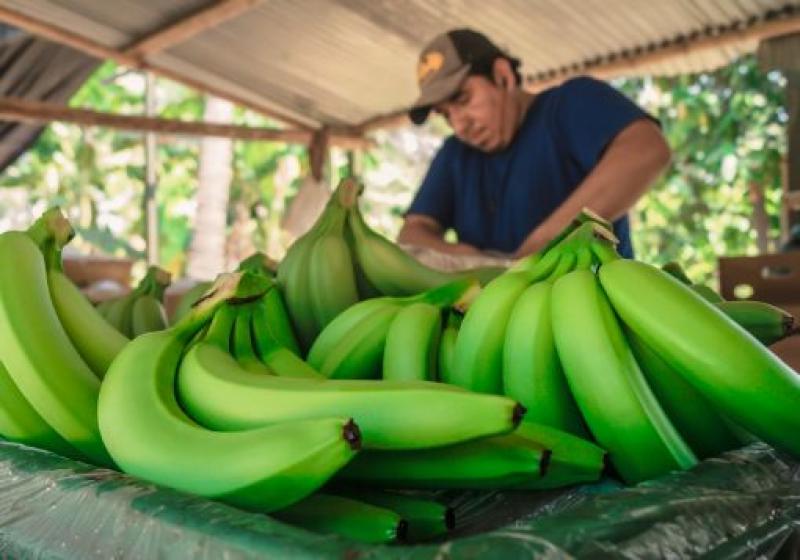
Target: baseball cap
(444,64)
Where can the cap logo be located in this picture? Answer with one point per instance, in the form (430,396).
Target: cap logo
(429,63)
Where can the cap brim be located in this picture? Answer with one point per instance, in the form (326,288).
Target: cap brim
(436,92)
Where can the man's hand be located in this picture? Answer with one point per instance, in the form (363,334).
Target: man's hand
(630,164)
(424,231)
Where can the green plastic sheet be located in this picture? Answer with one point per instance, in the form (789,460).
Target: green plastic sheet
(745,504)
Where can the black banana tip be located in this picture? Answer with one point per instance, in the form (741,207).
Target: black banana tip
(544,462)
(352,434)
(789,325)
(401,533)
(450,519)
(517,414)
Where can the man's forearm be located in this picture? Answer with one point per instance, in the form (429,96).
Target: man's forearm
(622,176)
(422,236)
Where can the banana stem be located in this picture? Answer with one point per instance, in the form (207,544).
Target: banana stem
(604,252)
(448,294)
(52,224)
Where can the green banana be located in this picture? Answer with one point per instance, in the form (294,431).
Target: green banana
(150,436)
(21,423)
(447,344)
(352,345)
(241,339)
(147,315)
(332,281)
(489,463)
(426,519)
(347,517)
(258,263)
(188,299)
(277,319)
(478,354)
(532,372)
(119,313)
(412,343)
(742,379)
(573,459)
(707,293)
(221,395)
(676,271)
(279,359)
(608,385)
(393,272)
(38,353)
(693,416)
(94,338)
(766,322)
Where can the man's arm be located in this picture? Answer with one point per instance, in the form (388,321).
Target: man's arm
(632,161)
(424,231)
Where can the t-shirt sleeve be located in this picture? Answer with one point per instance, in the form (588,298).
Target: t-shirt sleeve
(591,113)
(435,197)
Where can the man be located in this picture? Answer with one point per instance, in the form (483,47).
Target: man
(520,167)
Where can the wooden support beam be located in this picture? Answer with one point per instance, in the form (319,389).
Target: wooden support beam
(624,64)
(186,28)
(97,50)
(14,109)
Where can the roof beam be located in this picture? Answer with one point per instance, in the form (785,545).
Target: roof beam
(97,50)
(23,110)
(186,28)
(628,63)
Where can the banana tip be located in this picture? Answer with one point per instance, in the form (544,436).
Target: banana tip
(352,434)
(517,414)
(401,533)
(450,519)
(544,462)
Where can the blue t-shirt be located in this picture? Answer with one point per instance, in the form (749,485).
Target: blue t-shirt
(493,201)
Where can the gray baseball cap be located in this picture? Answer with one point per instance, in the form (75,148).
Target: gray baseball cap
(444,64)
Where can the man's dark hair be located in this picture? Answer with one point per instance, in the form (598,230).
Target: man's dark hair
(485,66)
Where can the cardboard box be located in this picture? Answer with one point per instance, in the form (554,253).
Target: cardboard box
(773,278)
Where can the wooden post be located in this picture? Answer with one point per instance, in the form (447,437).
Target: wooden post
(760,219)
(317,152)
(150,204)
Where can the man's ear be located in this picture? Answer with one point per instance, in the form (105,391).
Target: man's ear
(503,74)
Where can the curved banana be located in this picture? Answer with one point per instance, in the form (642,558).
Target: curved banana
(94,338)
(766,322)
(332,282)
(608,385)
(478,355)
(489,463)
(532,372)
(742,379)
(348,517)
(147,315)
(279,359)
(412,343)
(21,423)
(220,395)
(447,345)
(701,426)
(119,313)
(241,341)
(38,353)
(426,519)
(150,436)
(277,319)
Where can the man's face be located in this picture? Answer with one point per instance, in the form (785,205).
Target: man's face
(477,114)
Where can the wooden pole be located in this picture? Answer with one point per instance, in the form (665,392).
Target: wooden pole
(150,204)
(15,109)
(186,28)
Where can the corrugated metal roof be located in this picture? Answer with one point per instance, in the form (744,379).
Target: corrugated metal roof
(340,62)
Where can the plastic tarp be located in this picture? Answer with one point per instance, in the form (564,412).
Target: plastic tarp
(745,504)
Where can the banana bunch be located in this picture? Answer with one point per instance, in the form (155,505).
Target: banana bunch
(744,382)
(219,387)
(141,310)
(150,436)
(341,261)
(48,334)
(394,335)
(766,322)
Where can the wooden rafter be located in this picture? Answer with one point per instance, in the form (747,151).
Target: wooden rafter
(97,50)
(22,110)
(631,62)
(186,28)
